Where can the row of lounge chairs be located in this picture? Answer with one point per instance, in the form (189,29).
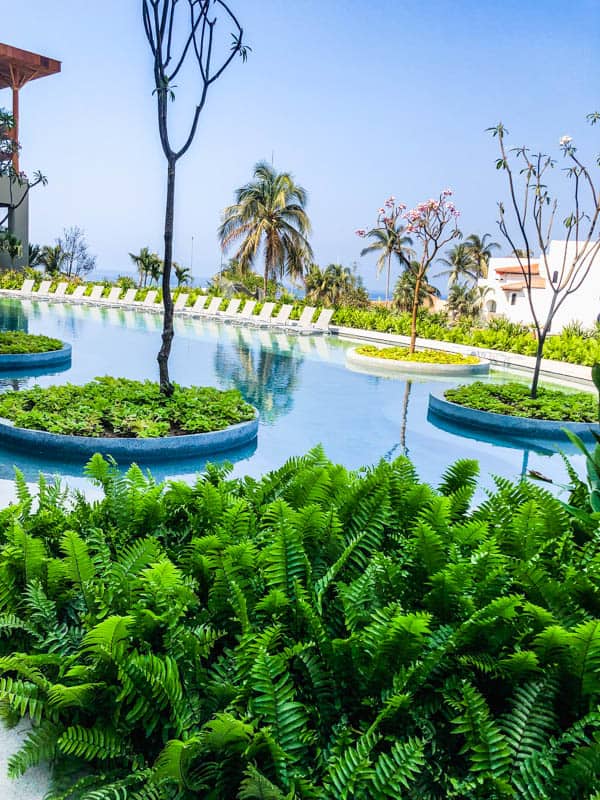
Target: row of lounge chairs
(204,306)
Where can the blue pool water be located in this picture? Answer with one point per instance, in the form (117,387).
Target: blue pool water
(305,394)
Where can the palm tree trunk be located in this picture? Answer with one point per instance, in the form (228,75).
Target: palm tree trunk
(415,309)
(166,387)
(387,286)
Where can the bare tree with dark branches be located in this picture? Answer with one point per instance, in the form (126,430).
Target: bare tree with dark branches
(171,50)
(535,211)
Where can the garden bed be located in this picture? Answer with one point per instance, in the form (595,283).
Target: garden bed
(24,352)
(399,359)
(117,407)
(513,399)
(508,412)
(20,343)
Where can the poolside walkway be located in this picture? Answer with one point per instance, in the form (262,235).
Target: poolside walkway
(36,781)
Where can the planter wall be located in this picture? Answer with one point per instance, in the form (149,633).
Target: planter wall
(130,449)
(25,361)
(393,367)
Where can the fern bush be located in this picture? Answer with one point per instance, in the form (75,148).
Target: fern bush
(318,633)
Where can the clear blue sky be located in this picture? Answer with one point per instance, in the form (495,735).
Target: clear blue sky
(359,100)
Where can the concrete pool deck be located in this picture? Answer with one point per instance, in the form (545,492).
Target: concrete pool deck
(36,781)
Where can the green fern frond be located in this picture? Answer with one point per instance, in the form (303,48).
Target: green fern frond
(97,742)
(38,746)
(397,770)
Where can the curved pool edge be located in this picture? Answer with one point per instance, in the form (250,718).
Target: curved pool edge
(165,448)
(25,361)
(396,367)
(507,425)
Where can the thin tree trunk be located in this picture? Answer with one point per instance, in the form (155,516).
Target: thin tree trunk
(538,364)
(387,287)
(166,387)
(415,309)
(407,389)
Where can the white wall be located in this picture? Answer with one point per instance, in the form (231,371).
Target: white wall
(583,305)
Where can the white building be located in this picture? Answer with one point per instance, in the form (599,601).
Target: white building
(507,295)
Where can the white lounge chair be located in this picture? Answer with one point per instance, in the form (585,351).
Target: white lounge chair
(44,288)
(199,304)
(181,301)
(129,298)
(113,295)
(232,309)
(61,289)
(245,314)
(305,321)
(265,315)
(77,293)
(213,307)
(323,320)
(27,287)
(150,300)
(283,316)
(96,295)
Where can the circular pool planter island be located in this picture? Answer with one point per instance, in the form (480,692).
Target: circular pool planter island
(25,351)
(398,361)
(506,425)
(137,406)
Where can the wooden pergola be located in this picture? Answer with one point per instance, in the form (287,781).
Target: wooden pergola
(18,67)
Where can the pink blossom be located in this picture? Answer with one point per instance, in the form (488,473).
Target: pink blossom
(360,232)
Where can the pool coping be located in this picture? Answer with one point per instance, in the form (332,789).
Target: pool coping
(23,361)
(395,367)
(508,425)
(166,447)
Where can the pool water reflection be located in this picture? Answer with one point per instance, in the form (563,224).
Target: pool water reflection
(300,385)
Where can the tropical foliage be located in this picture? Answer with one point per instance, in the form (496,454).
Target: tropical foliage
(120,407)
(466,301)
(149,266)
(269,216)
(317,633)
(404,291)
(335,286)
(515,399)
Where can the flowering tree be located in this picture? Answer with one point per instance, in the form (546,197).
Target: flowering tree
(388,239)
(535,210)
(433,224)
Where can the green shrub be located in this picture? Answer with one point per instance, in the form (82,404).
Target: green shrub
(514,399)
(317,633)
(423,356)
(120,407)
(19,342)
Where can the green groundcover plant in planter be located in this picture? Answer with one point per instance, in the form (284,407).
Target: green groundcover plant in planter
(118,407)
(316,633)
(421,356)
(515,400)
(19,343)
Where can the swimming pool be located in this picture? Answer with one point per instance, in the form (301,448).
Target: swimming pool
(301,385)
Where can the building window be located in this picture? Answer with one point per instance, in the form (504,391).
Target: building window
(513,298)
(555,276)
(492,306)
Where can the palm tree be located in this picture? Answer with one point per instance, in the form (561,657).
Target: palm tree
(182,274)
(481,251)
(148,265)
(404,291)
(11,245)
(34,256)
(328,286)
(388,241)
(461,264)
(269,213)
(465,300)
(52,258)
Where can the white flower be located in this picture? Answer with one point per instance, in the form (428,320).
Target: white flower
(565,140)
